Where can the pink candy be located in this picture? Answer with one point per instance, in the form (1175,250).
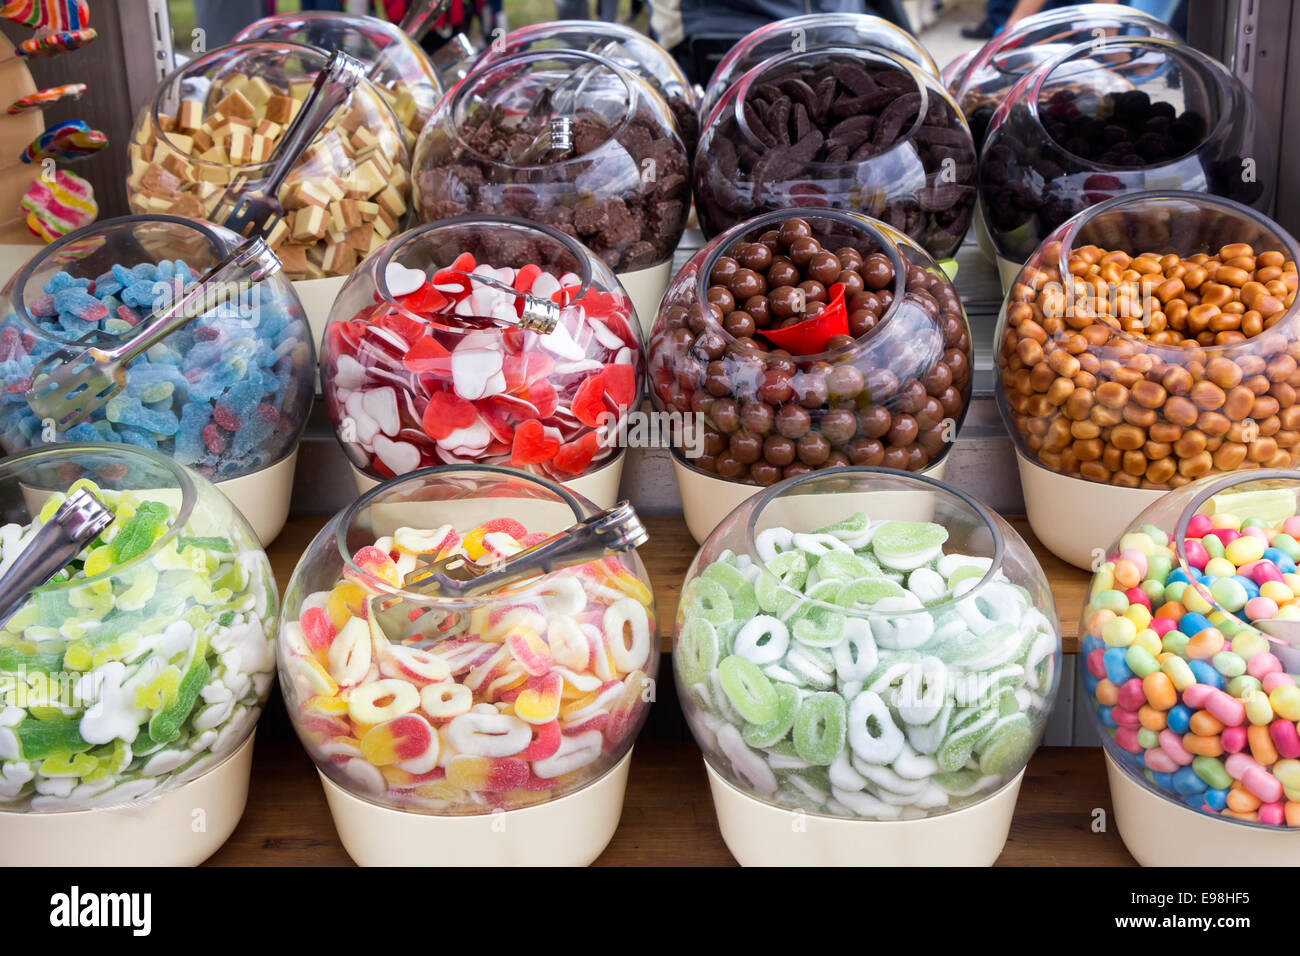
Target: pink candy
(1285,738)
(1197,556)
(1199,526)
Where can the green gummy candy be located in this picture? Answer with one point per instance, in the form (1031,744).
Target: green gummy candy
(964,572)
(38,739)
(207,544)
(959,783)
(773,596)
(818,627)
(853,524)
(1008,746)
(963,738)
(905,545)
(225,620)
(749,690)
(769,734)
(165,726)
(840,566)
(867,591)
(46,662)
(709,601)
(744,605)
(696,652)
(140,531)
(790,567)
(820,728)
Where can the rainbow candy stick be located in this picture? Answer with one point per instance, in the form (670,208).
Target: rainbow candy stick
(47,14)
(49,44)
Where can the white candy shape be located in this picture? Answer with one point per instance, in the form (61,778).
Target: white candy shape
(402,280)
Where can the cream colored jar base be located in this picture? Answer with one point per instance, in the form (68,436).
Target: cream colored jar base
(759,834)
(1007,272)
(981,231)
(1075,519)
(570,831)
(1159,833)
(646,287)
(263,497)
(180,828)
(317,297)
(707,499)
(600,487)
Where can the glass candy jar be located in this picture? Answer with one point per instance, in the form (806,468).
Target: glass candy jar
(1131,115)
(1188,665)
(430,713)
(217,119)
(435,354)
(1150,341)
(570,140)
(850,128)
(801,340)
(130,682)
(874,655)
(227,394)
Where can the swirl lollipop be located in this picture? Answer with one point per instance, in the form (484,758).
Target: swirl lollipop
(57,205)
(69,141)
(51,44)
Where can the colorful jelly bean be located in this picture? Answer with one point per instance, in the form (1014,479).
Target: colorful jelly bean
(861,670)
(1229,737)
(517,699)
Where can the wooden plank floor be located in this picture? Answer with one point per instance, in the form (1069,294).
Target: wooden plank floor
(668,817)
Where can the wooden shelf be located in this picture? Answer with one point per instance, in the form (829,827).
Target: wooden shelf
(671,550)
(668,817)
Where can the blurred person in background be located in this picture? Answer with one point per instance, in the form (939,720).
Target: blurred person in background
(698,33)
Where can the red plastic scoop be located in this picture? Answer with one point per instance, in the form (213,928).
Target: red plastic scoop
(811,335)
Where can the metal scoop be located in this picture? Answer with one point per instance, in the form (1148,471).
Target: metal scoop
(536,315)
(68,387)
(77,521)
(613,531)
(252,206)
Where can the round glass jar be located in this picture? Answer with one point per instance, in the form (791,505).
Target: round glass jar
(144,663)
(435,704)
(414,376)
(400,69)
(856,129)
(1132,115)
(812,31)
(564,138)
(1190,697)
(866,644)
(1168,353)
(891,391)
(217,119)
(997,66)
(227,394)
(627,47)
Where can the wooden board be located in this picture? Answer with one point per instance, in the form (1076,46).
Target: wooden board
(668,817)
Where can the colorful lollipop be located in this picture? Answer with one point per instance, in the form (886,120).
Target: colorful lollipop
(47,14)
(50,44)
(44,99)
(69,141)
(57,206)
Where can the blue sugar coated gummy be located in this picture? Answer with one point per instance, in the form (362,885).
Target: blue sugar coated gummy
(246,354)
